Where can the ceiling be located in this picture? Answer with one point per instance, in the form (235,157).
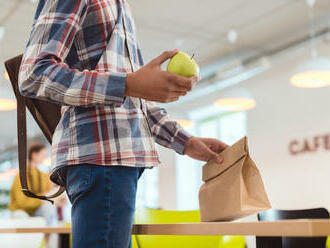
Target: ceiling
(194,26)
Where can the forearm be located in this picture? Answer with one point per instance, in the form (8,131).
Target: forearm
(54,81)
(166,132)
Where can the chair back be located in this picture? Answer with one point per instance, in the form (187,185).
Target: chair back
(294,242)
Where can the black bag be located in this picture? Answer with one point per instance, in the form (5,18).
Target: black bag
(47,116)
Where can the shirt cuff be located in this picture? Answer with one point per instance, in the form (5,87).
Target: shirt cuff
(115,91)
(180,140)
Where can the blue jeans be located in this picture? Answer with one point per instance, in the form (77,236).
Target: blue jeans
(103,204)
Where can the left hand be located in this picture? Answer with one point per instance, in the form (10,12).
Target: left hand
(204,149)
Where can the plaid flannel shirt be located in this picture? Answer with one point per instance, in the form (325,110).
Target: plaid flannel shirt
(78,55)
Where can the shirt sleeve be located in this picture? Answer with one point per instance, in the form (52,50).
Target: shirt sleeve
(44,73)
(166,132)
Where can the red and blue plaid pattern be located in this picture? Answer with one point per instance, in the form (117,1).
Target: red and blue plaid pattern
(78,56)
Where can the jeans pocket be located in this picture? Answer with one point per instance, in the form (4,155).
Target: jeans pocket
(78,181)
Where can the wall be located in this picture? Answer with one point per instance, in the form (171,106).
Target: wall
(285,113)
(167,182)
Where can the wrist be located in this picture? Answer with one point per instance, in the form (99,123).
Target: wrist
(129,90)
(187,144)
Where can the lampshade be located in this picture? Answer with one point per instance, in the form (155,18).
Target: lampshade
(7,104)
(313,73)
(185,123)
(237,99)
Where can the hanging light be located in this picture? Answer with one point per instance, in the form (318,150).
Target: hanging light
(314,73)
(7,104)
(185,123)
(237,99)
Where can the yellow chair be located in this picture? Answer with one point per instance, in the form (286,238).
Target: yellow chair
(153,216)
(134,242)
(232,242)
(43,243)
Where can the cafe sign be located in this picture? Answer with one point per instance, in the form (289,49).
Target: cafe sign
(310,145)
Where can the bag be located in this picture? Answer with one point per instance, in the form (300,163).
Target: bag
(47,116)
(234,188)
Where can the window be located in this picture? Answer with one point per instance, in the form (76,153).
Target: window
(232,127)
(148,193)
(227,127)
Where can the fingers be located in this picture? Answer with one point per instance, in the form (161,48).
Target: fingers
(164,56)
(187,83)
(218,146)
(214,144)
(214,147)
(167,100)
(206,154)
(215,156)
(182,82)
(173,99)
(177,89)
(178,93)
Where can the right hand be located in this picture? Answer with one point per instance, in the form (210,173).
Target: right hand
(153,84)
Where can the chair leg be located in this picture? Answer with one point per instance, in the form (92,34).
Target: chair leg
(64,240)
(269,242)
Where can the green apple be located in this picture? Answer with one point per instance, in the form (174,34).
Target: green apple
(183,64)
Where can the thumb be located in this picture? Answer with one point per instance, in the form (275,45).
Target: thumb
(164,56)
(213,155)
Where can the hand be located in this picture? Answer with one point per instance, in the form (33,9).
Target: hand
(60,201)
(204,149)
(153,84)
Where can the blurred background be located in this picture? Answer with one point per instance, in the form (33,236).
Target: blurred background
(265,68)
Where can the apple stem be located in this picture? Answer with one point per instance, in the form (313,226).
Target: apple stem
(192,56)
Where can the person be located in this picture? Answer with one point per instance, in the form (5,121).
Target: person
(84,55)
(39,184)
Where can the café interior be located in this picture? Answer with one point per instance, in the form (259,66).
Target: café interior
(265,75)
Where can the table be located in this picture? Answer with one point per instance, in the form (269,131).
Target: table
(283,228)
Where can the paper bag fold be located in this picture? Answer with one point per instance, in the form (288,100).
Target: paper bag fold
(234,188)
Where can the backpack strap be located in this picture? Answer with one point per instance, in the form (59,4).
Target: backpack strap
(22,154)
(12,67)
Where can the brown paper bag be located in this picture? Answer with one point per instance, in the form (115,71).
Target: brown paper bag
(232,189)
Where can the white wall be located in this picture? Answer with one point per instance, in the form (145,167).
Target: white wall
(167,182)
(285,113)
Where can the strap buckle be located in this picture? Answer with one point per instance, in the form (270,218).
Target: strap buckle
(28,193)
